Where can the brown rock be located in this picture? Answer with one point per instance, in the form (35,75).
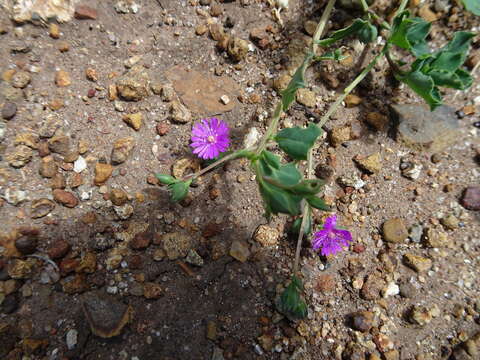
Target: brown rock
(417,263)
(59,144)
(201,29)
(372,286)
(352,100)
(122,149)
(176,244)
(41,207)
(471,198)
(27,244)
(102,173)
(306,97)
(362,321)
(62,78)
(91,74)
(239,251)
(163,128)
(84,12)
(20,157)
(89,218)
(340,135)
(216,10)
(20,79)
(112,92)
(20,269)
(237,48)
(180,113)
(394,230)
(88,263)
(54,31)
(371,163)
(63,46)
(134,120)
(75,180)
(134,85)
(77,285)
(427,14)
(59,249)
(58,181)
(325,283)
(65,198)
(118,197)
(9,110)
(27,139)
(378,121)
(266,235)
(152,290)
(141,241)
(48,167)
(435,239)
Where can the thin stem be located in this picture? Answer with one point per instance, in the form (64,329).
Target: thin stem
(350,87)
(402,7)
(364,5)
(271,128)
(234,155)
(321,25)
(382,22)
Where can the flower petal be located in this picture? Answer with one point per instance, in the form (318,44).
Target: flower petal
(330,222)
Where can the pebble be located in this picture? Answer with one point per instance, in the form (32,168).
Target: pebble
(122,149)
(281,83)
(420,315)
(71,338)
(371,163)
(15,196)
(167,93)
(306,97)
(179,113)
(238,48)
(450,222)
(62,78)
(417,263)
(176,245)
(152,290)
(471,198)
(392,289)
(340,135)
(48,167)
(394,230)
(362,321)
(102,173)
(79,165)
(9,110)
(194,258)
(59,144)
(20,269)
(84,12)
(134,85)
(65,198)
(134,120)
(411,170)
(266,235)
(118,197)
(27,244)
(239,251)
(20,157)
(123,212)
(20,79)
(352,100)
(59,249)
(41,207)
(141,241)
(378,121)
(415,233)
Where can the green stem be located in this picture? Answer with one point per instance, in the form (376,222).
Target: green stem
(364,5)
(235,155)
(402,7)
(350,87)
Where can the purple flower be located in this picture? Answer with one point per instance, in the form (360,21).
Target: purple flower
(331,240)
(210,138)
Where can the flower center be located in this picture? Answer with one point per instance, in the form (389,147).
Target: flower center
(211,139)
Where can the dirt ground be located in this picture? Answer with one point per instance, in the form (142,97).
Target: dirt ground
(169,287)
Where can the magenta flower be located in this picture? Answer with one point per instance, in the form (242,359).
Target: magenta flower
(331,240)
(210,138)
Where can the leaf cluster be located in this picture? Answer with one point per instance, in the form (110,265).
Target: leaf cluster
(178,189)
(291,302)
(431,69)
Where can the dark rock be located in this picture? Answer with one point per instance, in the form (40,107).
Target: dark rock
(106,316)
(324,172)
(59,249)
(471,198)
(9,110)
(41,207)
(425,130)
(84,12)
(10,304)
(141,241)
(27,244)
(361,321)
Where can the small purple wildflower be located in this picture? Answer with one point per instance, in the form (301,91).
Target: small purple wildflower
(331,240)
(210,138)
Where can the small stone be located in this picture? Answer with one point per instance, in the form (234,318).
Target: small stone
(27,244)
(325,283)
(134,85)
(163,128)
(65,198)
(211,330)
(378,121)
(324,172)
(362,321)
(239,251)
(216,10)
(371,163)
(62,78)
(281,83)
(185,166)
(9,110)
(179,113)
(63,46)
(20,157)
(49,126)
(310,27)
(79,165)
(451,222)
(352,100)
(237,48)
(15,196)
(124,212)
(167,93)
(266,235)
(59,144)
(435,239)
(118,197)
(91,74)
(395,231)
(224,99)
(48,167)
(201,29)
(340,135)
(54,31)
(391,289)
(306,97)
(134,120)
(141,241)
(420,315)
(194,259)
(371,287)
(84,12)
(71,339)
(176,245)
(27,139)
(112,92)
(41,207)
(59,249)
(106,316)
(410,169)
(20,269)
(58,181)
(122,149)
(21,79)
(427,14)
(102,173)
(417,263)
(471,198)
(131,61)
(152,290)
(472,348)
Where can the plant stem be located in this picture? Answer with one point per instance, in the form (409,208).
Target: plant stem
(272,128)
(350,87)
(402,7)
(234,155)
(364,5)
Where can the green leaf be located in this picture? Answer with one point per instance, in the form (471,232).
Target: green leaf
(410,34)
(295,229)
(318,203)
(278,200)
(285,174)
(297,82)
(179,190)
(331,55)
(465,78)
(307,187)
(473,6)
(448,61)
(424,86)
(368,33)
(296,142)
(356,26)
(291,302)
(165,179)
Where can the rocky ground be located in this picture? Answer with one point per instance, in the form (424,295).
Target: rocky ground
(97,263)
